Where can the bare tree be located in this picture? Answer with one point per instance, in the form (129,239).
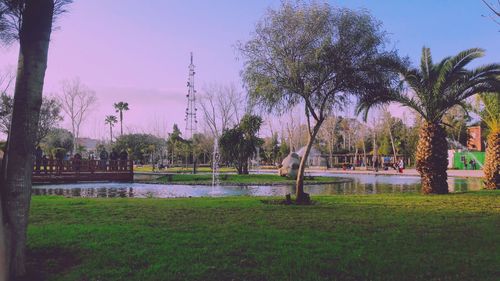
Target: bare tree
(222,106)
(386,115)
(6,79)
(495,11)
(76,100)
(329,133)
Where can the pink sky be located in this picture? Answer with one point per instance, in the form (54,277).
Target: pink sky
(138,51)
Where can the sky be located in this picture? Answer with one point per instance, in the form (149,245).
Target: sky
(138,51)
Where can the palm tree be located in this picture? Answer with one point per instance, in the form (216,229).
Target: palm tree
(488,108)
(120,107)
(431,91)
(111,120)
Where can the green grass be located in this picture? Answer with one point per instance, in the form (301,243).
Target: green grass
(234,179)
(149,168)
(373,237)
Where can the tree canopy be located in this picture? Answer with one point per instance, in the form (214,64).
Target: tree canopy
(317,56)
(238,145)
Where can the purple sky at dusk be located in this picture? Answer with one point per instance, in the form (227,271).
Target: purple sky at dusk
(138,51)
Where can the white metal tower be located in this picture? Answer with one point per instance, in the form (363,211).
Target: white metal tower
(191,109)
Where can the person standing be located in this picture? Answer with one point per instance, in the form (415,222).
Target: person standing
(77,162)
(59,160)
(123,159)
(113,160)
(38,159)
(103,156)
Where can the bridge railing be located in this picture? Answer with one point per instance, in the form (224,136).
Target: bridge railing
(55,166)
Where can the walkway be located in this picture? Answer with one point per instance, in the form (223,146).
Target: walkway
(407,172)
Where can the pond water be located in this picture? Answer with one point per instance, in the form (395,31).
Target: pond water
(356,184)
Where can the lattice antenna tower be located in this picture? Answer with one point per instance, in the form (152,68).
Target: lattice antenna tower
(191,121)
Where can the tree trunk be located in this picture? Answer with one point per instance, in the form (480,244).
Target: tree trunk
(121,123)
(110,134)
(301,196)
(364,152)
(432,158)
(492,162)
(4,254)
(34,38)
(392,144)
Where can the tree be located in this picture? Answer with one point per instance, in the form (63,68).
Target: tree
(77,100)
(284,150)
(50,115)
(271,148)
(431,91)
(173,142)
(495,11)
(221,106)
(120,107)
(237,145)
(111,120)
(488,108)
(317,56)
(30,23)
(139,146)
(455,121)
(57,138)
(328,134)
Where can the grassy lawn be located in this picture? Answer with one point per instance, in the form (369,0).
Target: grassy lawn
(374,237)
(234,179)
(149,168)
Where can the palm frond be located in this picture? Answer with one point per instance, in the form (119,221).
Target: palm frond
(426,62)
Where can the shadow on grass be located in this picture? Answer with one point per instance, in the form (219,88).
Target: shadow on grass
(48,261)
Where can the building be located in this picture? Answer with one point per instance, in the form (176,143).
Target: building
(315,158)
(474,141)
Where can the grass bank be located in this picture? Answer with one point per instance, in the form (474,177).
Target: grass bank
(235,179)
(149,168)
(374,237)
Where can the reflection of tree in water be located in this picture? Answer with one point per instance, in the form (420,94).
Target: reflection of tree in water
(361,185)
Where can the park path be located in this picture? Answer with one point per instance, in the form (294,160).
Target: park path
(407,172)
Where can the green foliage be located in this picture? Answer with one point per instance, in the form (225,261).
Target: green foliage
(111,120)
(50,115)
(438,87)
(238,145)
(375,237)
(57,138)
(488,108)
(271,149)
(253,179)
(296,55)
(284,149)
(139,146)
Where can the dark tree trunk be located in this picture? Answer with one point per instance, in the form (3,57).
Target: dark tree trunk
(432,158)
(301,196)
(121,123)
(245,167)
(16,188)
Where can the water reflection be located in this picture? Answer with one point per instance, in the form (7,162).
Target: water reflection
(357,184)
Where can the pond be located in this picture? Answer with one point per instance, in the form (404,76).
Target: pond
(356,184)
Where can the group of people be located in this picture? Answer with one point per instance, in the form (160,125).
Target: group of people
(399,165)
(113,161)
(117,161)
(471,162)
